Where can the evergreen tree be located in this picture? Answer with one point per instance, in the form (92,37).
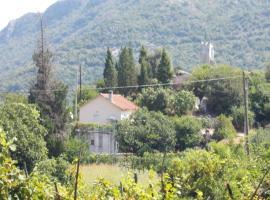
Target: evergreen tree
(143,54)
(110,73)
(154,61)
(143,78)
(50,97)
(165,68)
(127,75)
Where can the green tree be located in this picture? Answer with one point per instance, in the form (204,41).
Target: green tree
(50,96)
(224,128)
(154,61)
(127,75)
(156,99)
(187,132)
(259,97)
(165,71)
(221,95)
(13,182)
(110,73)
(143,78)
(22,121)
(146,132)
(166,101)
(184,102)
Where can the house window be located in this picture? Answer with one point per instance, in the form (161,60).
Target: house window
(100,140)
(92,142)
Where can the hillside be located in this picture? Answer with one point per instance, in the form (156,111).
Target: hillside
(79,31)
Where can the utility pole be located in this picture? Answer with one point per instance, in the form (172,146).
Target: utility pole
(80,82)
(246,121)
(76,97)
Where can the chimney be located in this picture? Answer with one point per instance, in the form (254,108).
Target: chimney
(111,95)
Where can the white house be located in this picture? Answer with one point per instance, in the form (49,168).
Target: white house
(103,110)
(106,107)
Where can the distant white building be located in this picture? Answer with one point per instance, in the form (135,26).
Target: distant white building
(104,110)
(207,53)
(106,107)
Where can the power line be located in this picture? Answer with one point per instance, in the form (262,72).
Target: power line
(132,86)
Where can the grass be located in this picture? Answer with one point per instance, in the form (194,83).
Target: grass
(112,173)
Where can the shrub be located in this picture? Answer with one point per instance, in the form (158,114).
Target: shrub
(187,132)
(184,102)
(55,168)
(224,128)
(199,172)
(238,115)
(146,132)
(22,122)
(13,182)
(167,101)
(74,147)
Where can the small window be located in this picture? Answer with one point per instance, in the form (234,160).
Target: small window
(92,142)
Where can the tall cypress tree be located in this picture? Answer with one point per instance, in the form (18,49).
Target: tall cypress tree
(110,73)
(143,78)
(143,54)
(126,73)
(165,72)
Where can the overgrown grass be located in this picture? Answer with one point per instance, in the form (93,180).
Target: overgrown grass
(114,174)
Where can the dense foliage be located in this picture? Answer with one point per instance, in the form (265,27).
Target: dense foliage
(224,128)
(259,97)
(22,122)
(50,97)
(167,101)
(146,132)
(188,132)
(14,184)
(221,95)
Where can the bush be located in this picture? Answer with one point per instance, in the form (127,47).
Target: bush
(156,99)
(22,121)
(167,101)
(206,174)
(73,147)
(238,115)
(224,128)
(14,184)
(187,132)
(55,168)
(146,132)
(184,102)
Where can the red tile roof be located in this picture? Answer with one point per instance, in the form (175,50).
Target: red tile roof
(121,102)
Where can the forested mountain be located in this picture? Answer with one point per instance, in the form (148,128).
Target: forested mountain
(79,31)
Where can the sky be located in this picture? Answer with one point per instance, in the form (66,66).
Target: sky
(13,9)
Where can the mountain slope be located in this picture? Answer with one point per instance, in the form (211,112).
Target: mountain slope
(79,31)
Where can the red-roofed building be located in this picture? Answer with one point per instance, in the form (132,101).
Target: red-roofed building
(105,108)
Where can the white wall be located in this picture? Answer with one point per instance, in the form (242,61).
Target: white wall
(99,111)
(102,143)
(126,114)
